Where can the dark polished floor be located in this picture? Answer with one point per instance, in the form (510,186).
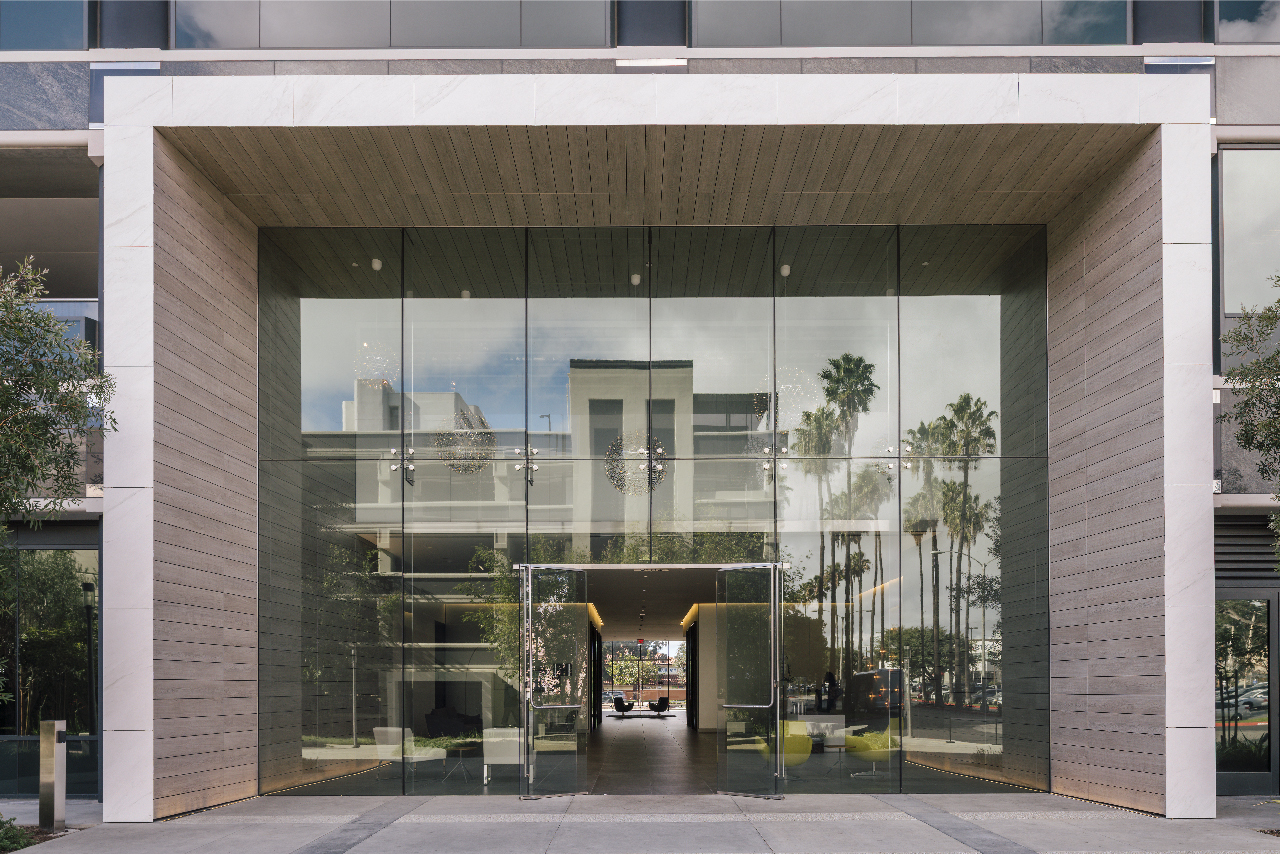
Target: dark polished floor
(649,756)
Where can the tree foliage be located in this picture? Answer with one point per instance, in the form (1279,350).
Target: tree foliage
(52,396)
(1255,408)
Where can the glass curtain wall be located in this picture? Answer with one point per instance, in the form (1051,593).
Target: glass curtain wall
(48,663)
(865,405)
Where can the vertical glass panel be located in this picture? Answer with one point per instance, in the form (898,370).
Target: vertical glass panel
(464,316)
(977,295)
(841,623)
(834,23)
(1250,227)
(557,723)
(975,599)
(1242,669)
(652,22)
(1248,21)
(330,342)
(331,559)
(714,512)
(565,23)
(42,25)
(837,333)
(1086,22)
(736,23)
(588,512)
(8,652)
(747,718)
(455,23)
(325,23)
(588,340)
(461,687)
(56,644)
(713,358)
(975,22)
(222,24)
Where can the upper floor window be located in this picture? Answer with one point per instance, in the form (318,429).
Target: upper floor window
(1248,21)
(43,24)
(1250,226)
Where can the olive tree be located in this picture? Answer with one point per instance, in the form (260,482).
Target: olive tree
(52,397)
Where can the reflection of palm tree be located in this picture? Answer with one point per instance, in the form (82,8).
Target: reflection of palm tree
(872,488)
(923,444)
(952,496)
(848,385)
(972,436)
(813,441)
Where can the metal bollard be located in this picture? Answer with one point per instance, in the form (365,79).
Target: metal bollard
(53,775)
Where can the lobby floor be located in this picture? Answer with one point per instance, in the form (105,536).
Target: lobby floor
(990,822)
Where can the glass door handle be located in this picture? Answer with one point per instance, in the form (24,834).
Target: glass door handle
(747,706)
(556,707)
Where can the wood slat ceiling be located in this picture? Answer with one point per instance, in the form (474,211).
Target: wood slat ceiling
(654,175)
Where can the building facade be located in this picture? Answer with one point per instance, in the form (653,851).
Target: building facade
(860,346)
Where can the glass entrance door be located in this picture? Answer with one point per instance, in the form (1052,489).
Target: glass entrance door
(556,659)
(747,626)
(1244,653)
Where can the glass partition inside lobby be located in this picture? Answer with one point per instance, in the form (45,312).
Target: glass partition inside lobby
(864,405)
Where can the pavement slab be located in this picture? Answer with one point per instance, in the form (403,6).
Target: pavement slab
(992,822)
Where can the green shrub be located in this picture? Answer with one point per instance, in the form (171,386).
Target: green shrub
(13,837)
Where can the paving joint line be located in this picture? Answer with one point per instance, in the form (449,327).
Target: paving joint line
(364,826)
(960,830)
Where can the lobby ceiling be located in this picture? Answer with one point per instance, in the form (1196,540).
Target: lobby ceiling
(654,174)
(665,596)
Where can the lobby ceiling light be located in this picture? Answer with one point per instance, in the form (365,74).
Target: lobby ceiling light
(376,264)
(635,278)
(635,463)
(466,442)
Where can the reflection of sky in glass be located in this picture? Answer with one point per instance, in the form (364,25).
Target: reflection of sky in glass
(344,341)
(216,24)
(1250,226)
(1085,22)
(950,345)
(1249,21)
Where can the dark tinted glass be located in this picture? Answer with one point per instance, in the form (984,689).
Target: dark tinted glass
(326,23)
(42,25)
(651,22)
(1085,22)
(216,24)
(1167,21)
(975,22)
(134,23)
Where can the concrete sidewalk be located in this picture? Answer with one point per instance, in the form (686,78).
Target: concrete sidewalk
(1007,823)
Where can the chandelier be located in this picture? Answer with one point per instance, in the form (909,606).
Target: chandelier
(635,463)
(466,442)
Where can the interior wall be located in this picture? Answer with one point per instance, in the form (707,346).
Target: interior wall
(709,697)
(205,526)
(1106,488)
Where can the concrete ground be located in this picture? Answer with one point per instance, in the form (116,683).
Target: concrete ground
(997,823)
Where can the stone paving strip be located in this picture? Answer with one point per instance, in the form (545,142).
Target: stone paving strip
(293,819)
(1068,815)
(875,816)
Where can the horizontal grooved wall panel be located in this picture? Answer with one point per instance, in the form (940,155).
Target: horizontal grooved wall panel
(205,595)
(1106,511)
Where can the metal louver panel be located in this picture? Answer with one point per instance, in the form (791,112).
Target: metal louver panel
(1243,545)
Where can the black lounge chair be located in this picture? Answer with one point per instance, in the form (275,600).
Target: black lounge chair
(660,706)
(622,706)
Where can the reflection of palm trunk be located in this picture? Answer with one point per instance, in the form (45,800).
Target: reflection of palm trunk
(968,595)
(953,620)
(883,585)
(920,553)
(875,580)
(963,541)
(937,615)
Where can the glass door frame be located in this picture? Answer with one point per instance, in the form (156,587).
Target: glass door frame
(775,680)
(527,679)
(1255,783)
